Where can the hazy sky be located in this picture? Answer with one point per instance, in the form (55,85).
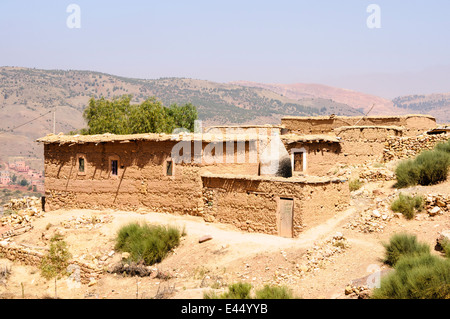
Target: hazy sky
(320,41)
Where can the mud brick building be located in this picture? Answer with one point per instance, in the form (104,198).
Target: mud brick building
(225,174)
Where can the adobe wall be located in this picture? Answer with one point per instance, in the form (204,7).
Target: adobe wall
(141,180)
(413,124)
(250,203)
(320,158)
(365,144)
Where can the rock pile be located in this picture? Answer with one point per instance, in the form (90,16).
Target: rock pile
(436,204)
(89,222)
(22,211)
(376,174)
(321,254)
(362,292)
(374,220)
(406,147)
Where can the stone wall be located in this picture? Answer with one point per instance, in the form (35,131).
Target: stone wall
(250,202)
(34,258)
(409,147)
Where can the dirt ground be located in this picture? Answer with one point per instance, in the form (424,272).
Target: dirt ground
(230,256)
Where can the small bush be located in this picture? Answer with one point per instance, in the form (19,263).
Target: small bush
(443,147)
(428,168)
(355,184)
(147,243)
(446,248)
(403,245)
(407,205)
(433,167)
(240,290)
(416,277)
(274,292)
(56,261)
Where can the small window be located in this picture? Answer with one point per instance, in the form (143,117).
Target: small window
(114,167)
(169,168)
(81,164)
(298,162)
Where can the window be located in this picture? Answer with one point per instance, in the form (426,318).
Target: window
(169,168)
(298,162)
(81,164)
(114,167)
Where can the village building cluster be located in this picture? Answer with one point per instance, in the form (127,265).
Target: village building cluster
(21,170)
(274,179)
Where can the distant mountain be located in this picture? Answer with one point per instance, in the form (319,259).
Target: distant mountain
(437,105)
(25,94)
(357,100)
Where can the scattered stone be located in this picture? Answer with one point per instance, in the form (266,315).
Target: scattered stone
(434,211)
(204,238)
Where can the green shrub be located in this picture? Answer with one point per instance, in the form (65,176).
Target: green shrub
(416,277)
(147,243)
(433,167)
(240,290)
(56,261)
(407,205)
(355,184)
(446,248)
(407,174)
(403,245)
(274,292)
(443,147)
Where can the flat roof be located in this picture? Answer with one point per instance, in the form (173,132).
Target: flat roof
(386,127)
(108,137)
(205,137)
(293,138)
(324,117)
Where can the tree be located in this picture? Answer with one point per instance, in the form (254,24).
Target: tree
(24,182)
(118,116)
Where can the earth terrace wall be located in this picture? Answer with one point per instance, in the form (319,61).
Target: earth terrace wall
(81,271)
(412,124)
(141,180)
(250,202)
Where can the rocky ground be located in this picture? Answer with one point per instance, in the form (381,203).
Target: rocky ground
(338,259)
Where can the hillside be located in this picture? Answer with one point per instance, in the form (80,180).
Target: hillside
(28,93)
(437,105)
(357,100)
